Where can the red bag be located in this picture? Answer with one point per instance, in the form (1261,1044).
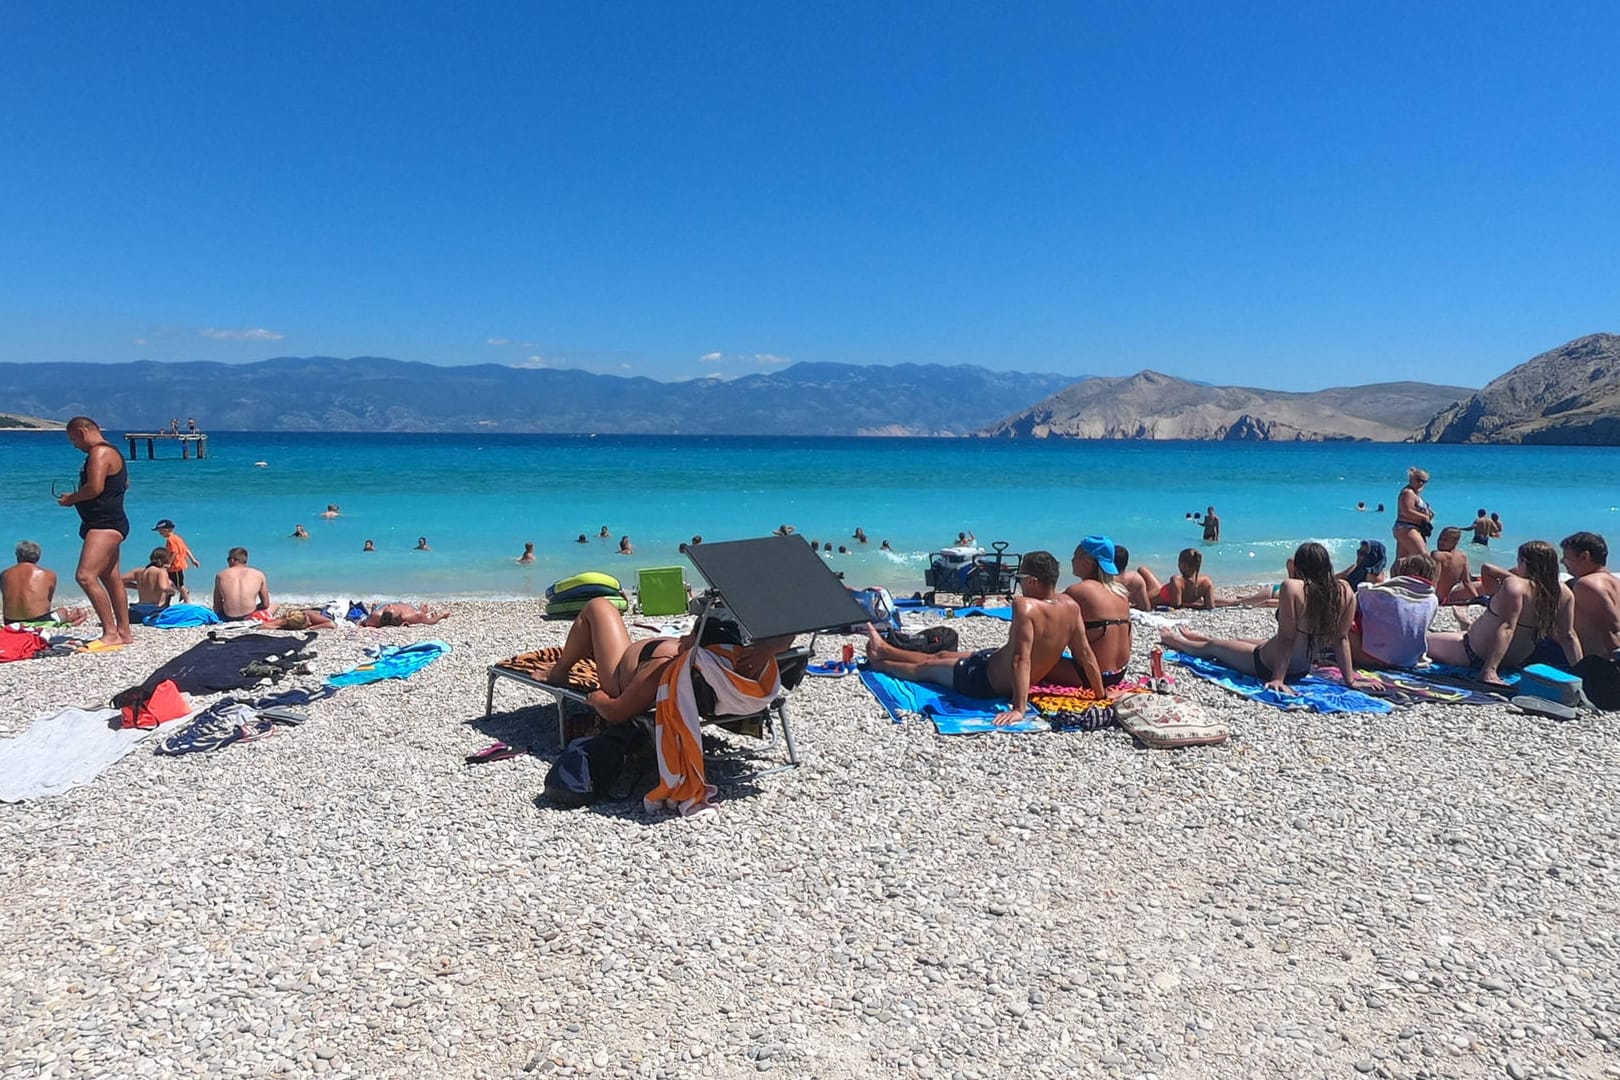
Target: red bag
(165,703)
(20,644)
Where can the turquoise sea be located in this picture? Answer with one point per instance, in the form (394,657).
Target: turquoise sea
(478,498)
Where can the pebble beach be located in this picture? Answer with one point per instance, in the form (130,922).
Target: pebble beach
(1429,893)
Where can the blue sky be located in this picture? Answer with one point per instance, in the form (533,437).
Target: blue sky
(1264,194)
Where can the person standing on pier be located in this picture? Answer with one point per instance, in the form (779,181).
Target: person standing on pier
(103,526)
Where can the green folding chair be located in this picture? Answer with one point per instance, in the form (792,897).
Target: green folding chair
(661,590)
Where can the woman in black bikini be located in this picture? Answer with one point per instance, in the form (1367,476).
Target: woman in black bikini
(1528,606)
(1314,612)
(1104,607)
(103,527)
(1414,520)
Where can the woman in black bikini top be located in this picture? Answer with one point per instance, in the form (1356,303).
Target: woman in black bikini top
(1104,607)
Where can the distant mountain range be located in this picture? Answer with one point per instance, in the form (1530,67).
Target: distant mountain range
(377,394)
(1150,405)
(1569,396)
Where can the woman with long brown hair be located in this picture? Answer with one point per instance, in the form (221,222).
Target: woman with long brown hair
(1314,612)
(1528,605)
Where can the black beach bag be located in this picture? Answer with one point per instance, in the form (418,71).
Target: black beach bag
(590,768)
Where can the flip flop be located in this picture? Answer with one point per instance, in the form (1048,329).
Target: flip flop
(494,752)
(1535,706)
(99,646)
(829,668)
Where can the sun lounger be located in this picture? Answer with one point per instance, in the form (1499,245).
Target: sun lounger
(771,587)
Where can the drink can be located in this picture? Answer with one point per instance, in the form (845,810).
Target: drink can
(849,653)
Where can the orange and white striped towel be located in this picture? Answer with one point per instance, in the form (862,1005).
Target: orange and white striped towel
(682,782)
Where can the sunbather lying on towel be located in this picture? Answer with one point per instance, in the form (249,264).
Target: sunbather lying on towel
(403,615)
(1044,623)
(629,672)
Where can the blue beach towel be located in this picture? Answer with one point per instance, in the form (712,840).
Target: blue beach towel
(391,662)
(1311,692)
(176,616)
(951,713)
(917,607)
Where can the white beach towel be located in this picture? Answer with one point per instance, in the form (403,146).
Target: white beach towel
(1154,620)
(61,752)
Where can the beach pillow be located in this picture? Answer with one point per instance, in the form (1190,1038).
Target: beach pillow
(1165,721)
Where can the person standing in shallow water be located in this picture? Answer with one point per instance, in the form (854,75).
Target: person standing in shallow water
(1212,527)
(103,526)
(528,553)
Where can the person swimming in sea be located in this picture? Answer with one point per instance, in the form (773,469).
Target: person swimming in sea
(528,553)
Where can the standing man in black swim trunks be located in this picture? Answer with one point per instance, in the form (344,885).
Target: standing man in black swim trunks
(1044,622)
(103,479)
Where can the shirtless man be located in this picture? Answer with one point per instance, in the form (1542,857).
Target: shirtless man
(1597,593)
(28,590)
(1452,568)
(1527,604)
(403,615)
(154,589)
(1141,586)
(628,673)
(1044,622)
(1482,529)
(239,589)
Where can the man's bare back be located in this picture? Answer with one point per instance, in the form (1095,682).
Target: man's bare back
(1597,612)
(239,591)
(153,585)
(28,590)
(1453,572)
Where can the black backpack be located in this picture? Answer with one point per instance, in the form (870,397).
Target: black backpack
(1600,679)
(590,767)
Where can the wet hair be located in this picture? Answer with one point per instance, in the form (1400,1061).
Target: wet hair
(83,423)
(1450,534)
(28,551)
(1495,516)
(1589,544)
(1541,566)
(1480,512)
(1417,475)
(236,554)
(1041,565)
(159,557)
(1422,566)
(1190,562)
(1122,557)
(1324,600)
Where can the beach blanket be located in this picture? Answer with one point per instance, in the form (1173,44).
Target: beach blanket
(1405,687)
(1074,708)
(677,738)
(219,664)
(1311,692)
(176,616)
(391,662)
(936,611)
(537,664)
(950,712)
(62,751)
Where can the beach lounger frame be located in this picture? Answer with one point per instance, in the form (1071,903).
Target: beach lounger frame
(772,586)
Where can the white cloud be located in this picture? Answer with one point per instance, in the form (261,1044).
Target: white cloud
(498,341)
(765,358)
(142,341)
(535,361)
(240,334)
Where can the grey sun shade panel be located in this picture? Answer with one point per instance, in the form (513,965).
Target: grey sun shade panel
(775,585)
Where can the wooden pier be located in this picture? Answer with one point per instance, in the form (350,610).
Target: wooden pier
(185,438)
